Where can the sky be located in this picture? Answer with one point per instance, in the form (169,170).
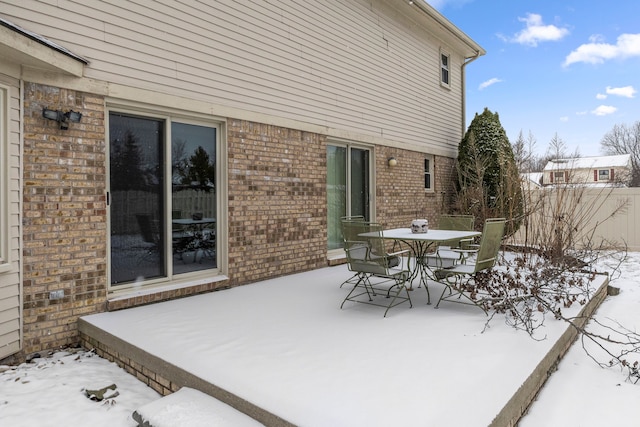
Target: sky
(553,69)
(296,352)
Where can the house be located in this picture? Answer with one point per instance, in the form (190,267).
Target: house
(592,171)
(531,180)
(150,153)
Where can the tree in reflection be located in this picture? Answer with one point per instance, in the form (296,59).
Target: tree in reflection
(126,164)
(197,172)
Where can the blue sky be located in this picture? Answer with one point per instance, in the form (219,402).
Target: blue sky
(565,68)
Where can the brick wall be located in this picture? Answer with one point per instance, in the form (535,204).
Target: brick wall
(64,216)
(277,201)
(153,379)
(277,209)
(400,193)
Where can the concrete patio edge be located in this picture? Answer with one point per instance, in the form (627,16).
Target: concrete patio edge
(162,376)
(522,399)
(167,378)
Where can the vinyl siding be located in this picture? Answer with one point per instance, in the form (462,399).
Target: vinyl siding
(10,300)
(368,68)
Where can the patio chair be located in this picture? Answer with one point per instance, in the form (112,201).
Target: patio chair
(352,226)
(452,252)
(376,281)
(459,280)
(151,235)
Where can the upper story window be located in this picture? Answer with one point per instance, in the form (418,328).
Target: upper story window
(559,176)
(428,173)
(603,175)
(445,61)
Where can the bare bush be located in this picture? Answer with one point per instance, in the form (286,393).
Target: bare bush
(552,269)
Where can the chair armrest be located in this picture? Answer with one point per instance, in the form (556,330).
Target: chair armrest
(402,252)
(469,250)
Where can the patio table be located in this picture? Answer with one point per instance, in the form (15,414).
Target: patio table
(194,238)
(421,243)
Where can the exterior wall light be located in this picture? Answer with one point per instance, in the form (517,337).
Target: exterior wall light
(392,162)
(63,119)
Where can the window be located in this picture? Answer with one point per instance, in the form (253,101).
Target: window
(428,174)
(163,198)
(444,69)
(558,177)
(603,175)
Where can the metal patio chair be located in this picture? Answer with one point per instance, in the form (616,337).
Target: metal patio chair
(459,280)
(351,227)
(376,281)
(452,252)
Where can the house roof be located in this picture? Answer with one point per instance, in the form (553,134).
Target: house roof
(532,178)
(473,49)
(595,162)
(31,49)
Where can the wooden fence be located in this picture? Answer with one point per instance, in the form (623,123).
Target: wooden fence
(184,204)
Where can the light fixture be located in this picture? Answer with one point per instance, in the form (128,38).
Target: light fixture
(392,162)
(63,119)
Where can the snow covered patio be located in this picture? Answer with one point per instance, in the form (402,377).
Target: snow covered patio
(284,352)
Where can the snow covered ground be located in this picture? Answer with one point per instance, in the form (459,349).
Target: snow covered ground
(51,391)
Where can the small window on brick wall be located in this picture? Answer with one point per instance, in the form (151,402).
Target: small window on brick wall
(428,173)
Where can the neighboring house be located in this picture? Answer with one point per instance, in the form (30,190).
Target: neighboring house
(531,180)
(217,144)
(592,171)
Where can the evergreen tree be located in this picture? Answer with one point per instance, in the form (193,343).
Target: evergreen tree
(126,164)
(489,182)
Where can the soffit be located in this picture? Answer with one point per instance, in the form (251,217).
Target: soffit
(31,50)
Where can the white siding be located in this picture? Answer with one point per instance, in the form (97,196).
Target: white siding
(10,300)
(369,68)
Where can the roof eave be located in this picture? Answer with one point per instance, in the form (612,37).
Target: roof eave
(475,50)
(30,50)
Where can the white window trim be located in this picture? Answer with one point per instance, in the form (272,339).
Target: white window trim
(441,68)
(431,159)
(203,276)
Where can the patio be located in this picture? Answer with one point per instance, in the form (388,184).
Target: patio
(283,352)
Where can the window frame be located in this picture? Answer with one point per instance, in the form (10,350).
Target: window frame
(429,167)
(169,116)
(559,177)
(445,68)
(349,146)
(602,172)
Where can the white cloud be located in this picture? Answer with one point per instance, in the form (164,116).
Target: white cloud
(601,96)
(564,119)
(489,83)
(626,91)
(604,110)
(536,31)
(596,52)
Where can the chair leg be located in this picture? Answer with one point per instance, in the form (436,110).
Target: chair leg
(401,283)
(458,295)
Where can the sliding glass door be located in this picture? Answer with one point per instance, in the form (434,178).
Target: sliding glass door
(348,188)
(162,198)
